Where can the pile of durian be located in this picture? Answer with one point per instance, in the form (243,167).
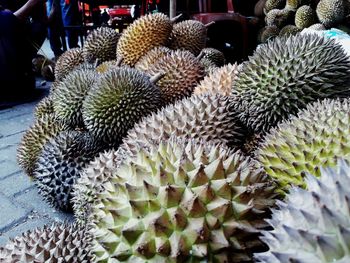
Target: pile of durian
(288,17)
(165,154)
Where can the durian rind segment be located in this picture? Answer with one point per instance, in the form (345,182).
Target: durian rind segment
(282,77)
(314,138)
(312,225)
(181,201)
(60,242)
(142,35)
(67,62)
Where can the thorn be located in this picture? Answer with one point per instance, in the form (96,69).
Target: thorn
(174,19)
(157,77)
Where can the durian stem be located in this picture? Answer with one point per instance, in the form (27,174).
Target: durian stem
(157,77)
(209,24)
(174,19)
(119,61)
(201,55)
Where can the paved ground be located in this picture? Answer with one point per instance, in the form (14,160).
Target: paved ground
(21,207)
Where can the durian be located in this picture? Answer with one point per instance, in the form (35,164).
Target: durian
(181,71)
(142,35)
(273,4)
(312,225)
(279,18)
(69,95)
(119,99)
(59,166)
(60,242)
(34,139)
(101,45)
(295,4)
(107,65)
(289,30)
(282,77)
(305,17)
(151,57)
(44,107)
(208,65)
(317,26)
(67,62)
(314,138)
(188,202)
(267,33)
(219,81)
(330,12)
(214,55)
(189,35)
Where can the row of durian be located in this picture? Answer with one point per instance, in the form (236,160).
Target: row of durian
(195,197)
(288,17)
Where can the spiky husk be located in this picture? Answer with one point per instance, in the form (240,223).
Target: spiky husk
(189,35)
(51,244)
(182,202)
(34,139)
(182,72)
(208,65)
(312,225)
(273,4)
(105,66)
(101,45)
(44,107)
(214,55)
(279,18)
(289,30)
(59,166)
(312,139)
(119,99)
(267,33)
(142,35)
(295,4)
(151,57)
(69,95)
(330,12)
(67,62)
(305,17)
(282,77)
(219,81)
(317,27)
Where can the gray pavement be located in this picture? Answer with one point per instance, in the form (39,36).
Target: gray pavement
(21,207)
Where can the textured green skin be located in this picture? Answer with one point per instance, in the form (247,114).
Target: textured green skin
(305,17)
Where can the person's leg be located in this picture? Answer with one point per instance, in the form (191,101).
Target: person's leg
(70,17)
(55,26)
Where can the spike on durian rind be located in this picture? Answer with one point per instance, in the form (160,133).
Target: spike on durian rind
(44,107)
(312,139)
(214,55)
(305,17)
(312,225)
(119,99)
(142,35)
(267,33)
(34,139)
(279,18)
(69,95)
(67,62)
(60,242)
(60,164)
(151,57)
(101,44)
(105,66)
(273,4)
(219,81)
(188,35)
(178,198)
(330,12)
(295,4)
(281,78)
(289,30)
(182,72)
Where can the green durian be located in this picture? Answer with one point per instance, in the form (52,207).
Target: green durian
(305,17)
(289,30)
(214,55)
(67,62)
(267,33)
(295,4)
(273,4)
(330,12)
(279,18)
(44,107)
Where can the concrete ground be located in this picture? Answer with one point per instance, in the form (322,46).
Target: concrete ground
(21,207)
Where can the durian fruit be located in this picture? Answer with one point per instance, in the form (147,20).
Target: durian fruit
(142,35)
(181,71)
(208,65)
(314,138)
(59,166)
(219,81)
(289,30)
(60,242)
(151,57)
(295,4)
(267,33)
(305,17)
(119,99)
(101,45)
(34,139)
(279,18)
(273,4)
(252,143)
(67,62)
(69,94)
(330,12)
(317,26)
(214,55)
(282,77)
(188,202)
(312,225)
(44,107)
(189,35)
(107,65)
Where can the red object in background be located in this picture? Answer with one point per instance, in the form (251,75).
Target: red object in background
(67,2)
(119,12)
(151,1)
